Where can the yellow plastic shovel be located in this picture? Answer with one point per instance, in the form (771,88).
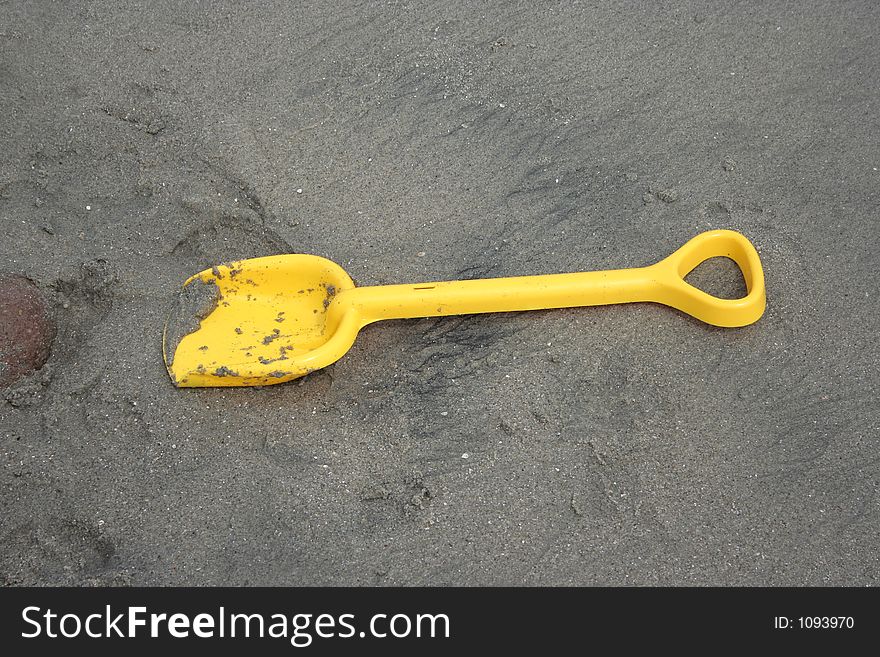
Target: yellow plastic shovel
(269,320)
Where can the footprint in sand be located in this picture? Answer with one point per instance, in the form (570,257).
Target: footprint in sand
(223,234)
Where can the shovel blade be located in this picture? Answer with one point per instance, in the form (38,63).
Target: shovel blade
(252,322)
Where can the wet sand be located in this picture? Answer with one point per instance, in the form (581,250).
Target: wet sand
(617,445)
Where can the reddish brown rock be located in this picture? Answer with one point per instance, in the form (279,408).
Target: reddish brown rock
(26,329)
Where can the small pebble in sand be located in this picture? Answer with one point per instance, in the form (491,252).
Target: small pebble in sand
(444,413)
(420,254)
(88,207)
(299,191)
(465,455)
(668,195)
(26,329)
(728,164)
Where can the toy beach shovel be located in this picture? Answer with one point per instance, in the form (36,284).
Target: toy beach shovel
(269,320)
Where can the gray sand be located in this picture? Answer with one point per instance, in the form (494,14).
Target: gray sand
(620,445)
(195,302)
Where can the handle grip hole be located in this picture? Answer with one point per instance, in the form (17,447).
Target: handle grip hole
(719,276)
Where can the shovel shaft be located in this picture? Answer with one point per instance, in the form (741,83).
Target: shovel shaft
(662,282)
(493,295)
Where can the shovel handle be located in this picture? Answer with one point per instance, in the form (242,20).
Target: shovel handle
(662,282)
(680,294)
